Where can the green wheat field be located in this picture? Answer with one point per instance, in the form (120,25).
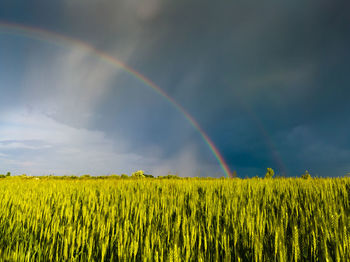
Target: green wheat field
(282,219)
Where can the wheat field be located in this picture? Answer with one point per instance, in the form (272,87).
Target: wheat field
(286,219)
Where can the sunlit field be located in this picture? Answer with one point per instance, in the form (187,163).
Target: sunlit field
(174,220)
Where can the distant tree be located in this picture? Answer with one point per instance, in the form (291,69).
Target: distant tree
(306,175)
(8,174)
(269,173)
(138,174)
(148,176)
(124,176)
(85,176)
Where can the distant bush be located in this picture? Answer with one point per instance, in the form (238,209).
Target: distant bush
(269,173)
(100,177)
(124,176)
(138,174)
(71,177)
(306,175)
(2,176)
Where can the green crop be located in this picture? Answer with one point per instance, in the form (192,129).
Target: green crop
(175,220)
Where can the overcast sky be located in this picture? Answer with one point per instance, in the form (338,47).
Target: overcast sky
(268,81)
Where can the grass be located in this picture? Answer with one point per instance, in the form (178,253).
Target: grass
(175,220)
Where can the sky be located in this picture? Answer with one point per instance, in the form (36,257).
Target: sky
(266,81)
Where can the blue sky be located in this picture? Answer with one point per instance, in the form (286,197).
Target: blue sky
(267,81)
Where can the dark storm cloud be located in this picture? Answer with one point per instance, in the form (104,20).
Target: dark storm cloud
(268,81)
(280,65)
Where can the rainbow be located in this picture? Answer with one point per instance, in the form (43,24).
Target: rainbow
(59,39)
(264,134)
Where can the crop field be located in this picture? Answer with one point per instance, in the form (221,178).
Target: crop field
(284,219)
